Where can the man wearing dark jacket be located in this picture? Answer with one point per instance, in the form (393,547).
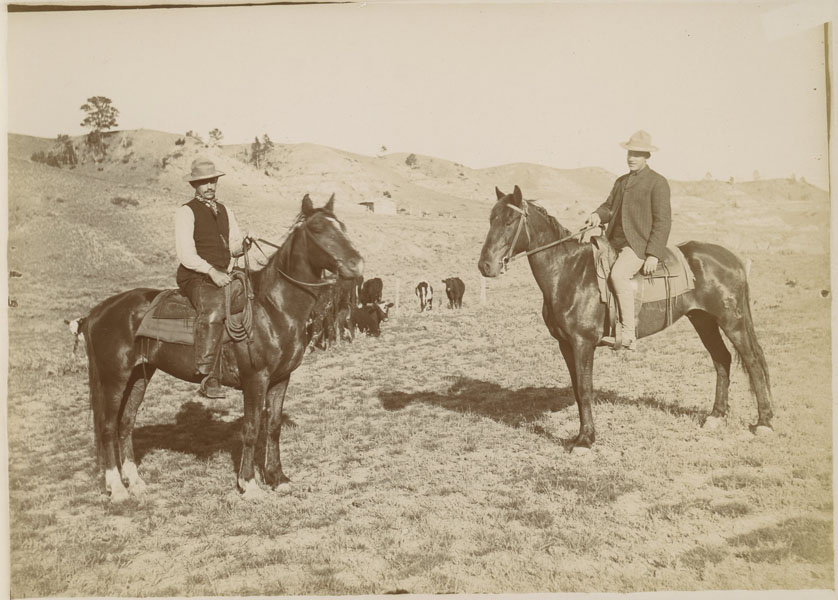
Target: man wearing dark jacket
(206,237)
(639,218)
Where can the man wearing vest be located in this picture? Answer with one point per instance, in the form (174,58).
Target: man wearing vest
(639,218)
(205,232)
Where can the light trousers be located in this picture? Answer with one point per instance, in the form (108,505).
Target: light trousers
(627,265)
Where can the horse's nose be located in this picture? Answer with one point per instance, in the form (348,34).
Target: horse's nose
(483,267)
(356,264)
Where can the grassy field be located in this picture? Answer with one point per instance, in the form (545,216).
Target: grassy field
(434,459)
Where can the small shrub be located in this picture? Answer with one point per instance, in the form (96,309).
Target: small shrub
(47,158)
(180,141)
(124,202)
(411,160)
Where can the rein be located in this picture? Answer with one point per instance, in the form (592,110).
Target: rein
(523,224)
(286,275)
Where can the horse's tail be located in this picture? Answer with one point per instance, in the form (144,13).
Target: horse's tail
(758,367)
(80,328)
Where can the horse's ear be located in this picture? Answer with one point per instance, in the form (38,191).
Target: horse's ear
(330,205)
(516,194)
(308,207)
(499,193)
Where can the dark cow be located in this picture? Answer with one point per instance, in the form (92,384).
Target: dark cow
(331,316)
(371,291)
(425,293)
(454,289)
(367,318)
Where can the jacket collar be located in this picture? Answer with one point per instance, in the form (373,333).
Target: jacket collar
(634,176)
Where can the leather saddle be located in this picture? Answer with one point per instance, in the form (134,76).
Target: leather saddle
(171,317)
(672,278)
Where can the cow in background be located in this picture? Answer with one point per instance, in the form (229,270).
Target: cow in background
(368,317)
(330,318)
(371,291)
(346,298)
(425,293)
(454,289)
(320,327)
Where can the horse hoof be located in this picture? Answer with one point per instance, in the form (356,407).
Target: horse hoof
(119,495)
(137,488)
(763,431)
(251,490)
(580,451)
(711,423)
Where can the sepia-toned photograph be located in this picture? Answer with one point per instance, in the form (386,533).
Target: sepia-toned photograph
(373,298)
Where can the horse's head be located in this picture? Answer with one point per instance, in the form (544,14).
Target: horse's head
(330,248)
(507,223)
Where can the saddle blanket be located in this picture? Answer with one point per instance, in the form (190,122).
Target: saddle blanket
(672,278)
(170,318)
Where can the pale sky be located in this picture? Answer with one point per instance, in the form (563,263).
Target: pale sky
(557,84)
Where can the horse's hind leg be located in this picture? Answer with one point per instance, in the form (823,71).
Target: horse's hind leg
(741,334)
(135,393)
(708,331)
(111,402)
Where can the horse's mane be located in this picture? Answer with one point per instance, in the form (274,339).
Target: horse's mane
(557,227)
(264,277)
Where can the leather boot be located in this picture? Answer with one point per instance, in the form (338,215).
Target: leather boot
(208,335)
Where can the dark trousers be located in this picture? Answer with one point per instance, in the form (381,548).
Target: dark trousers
(208,300)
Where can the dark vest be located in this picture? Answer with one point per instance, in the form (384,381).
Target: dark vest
(212,239)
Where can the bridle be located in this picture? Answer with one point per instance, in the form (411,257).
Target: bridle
(523,225)
(303,226)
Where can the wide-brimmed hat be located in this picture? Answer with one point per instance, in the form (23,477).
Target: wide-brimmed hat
(641,141)
(202,168)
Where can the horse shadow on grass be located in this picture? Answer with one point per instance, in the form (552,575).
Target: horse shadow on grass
(201,432)
(522,407)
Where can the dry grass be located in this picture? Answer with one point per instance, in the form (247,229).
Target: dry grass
(432,459)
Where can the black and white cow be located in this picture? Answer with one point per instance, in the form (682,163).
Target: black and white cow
(425,293)
(454,289)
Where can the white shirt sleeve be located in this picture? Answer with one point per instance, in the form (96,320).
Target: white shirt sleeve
(185,241)
(235,236)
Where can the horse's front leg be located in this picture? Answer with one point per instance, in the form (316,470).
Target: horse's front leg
(253,389)
(580,363)
(273,465)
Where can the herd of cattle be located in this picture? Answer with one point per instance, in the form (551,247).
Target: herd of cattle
(352,305)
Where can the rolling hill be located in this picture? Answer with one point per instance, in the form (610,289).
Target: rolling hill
(115,215)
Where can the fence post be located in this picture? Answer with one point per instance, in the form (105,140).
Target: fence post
(398,291)
(482,290)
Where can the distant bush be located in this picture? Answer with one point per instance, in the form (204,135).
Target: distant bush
(47,158)
(215,136)
(411,160)
(124,202)
(180,141)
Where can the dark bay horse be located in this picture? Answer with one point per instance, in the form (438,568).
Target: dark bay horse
(285,290)
(574,315)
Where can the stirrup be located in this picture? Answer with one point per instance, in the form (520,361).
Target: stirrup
(609,341)
(210,388)
(631,346)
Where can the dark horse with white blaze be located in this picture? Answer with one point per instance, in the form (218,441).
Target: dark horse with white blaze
(285,290)
(575,316)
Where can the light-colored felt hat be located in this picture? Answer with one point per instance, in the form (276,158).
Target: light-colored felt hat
(640,141)
(202,168)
